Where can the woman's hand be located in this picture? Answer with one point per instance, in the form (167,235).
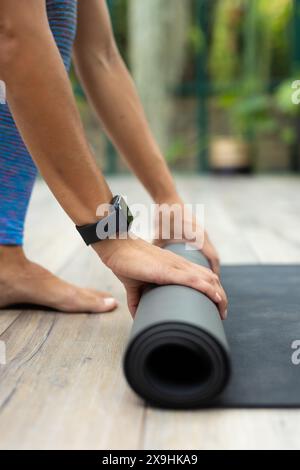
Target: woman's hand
(138,263)
(191,232)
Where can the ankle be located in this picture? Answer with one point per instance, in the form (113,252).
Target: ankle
(10,254)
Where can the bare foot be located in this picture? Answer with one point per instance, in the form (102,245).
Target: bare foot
(22,281)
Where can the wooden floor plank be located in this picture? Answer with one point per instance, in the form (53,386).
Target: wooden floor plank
(7,318)
(63,386)
(223,429)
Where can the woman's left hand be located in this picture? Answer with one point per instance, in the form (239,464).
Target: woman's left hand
(187,225)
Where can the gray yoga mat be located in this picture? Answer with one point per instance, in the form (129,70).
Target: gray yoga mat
(263,323)
(179,356)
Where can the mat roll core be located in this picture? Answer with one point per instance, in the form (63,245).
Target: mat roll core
(177,355)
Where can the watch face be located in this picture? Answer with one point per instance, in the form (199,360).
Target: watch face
(120,206)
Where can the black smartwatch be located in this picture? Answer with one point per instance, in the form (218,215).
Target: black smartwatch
(117,221)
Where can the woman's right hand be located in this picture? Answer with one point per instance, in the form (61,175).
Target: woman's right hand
(137,263)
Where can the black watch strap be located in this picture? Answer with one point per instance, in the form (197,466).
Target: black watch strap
(118,221)
(88,233)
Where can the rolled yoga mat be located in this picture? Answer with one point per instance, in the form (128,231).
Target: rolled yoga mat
(177,355)
(263,331)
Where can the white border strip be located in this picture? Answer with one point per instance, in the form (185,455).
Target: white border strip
(2,92)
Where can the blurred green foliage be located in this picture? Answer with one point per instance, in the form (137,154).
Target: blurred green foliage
(250,52)
(196,39)
(119,12)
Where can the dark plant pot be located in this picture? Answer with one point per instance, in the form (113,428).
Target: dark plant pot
(230,156)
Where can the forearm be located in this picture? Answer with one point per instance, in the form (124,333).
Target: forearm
(112,93)
(44,109)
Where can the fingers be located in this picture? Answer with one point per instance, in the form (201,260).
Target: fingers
(223,304)
(214,264)
(209,284)
(200,278)
(133,299)
(215,292)
(212,256)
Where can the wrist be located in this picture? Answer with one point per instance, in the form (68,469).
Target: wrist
(108,247)
(92,214)
(162,188)
(167,197)
(170,199)
(114,222)
(105,248)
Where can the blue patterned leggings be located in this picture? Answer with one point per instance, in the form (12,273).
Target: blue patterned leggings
(17,169)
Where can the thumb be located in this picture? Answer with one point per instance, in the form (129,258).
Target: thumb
(213,259)
(133,298)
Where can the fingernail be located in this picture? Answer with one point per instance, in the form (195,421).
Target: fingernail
(218,297)
(110,302)
(225,313)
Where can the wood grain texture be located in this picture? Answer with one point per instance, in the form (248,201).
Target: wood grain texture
(63,387)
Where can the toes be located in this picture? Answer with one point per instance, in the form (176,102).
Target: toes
(101,302)
(89,301)
(107,304)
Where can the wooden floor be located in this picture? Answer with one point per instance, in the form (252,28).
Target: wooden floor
(63,388)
